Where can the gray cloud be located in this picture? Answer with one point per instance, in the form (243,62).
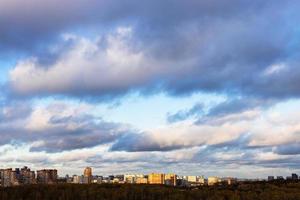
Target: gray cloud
(88,134)
(141,142)
(235,153)
(210,46)
(58,132)
(195,111)
(14,111)
(145,142)
(220,113)
(34,21)
(244,48)
(288,149)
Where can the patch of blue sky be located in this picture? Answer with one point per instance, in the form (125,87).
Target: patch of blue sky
(141,112)
(5,67)
(151,111)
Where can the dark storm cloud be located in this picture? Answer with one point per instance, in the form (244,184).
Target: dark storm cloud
(87,133)
(33,21)
(212,46)
(245,48)
(69,141)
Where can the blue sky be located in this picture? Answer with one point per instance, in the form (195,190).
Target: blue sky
(190,87)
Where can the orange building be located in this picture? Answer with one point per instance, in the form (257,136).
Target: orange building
(87,171)
(87,175)
(155,178)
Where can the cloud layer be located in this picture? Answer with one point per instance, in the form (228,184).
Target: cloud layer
(97,52)
(57,127)
(243,48)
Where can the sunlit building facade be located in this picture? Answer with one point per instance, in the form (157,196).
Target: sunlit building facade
(87,175)
(141,180)
(156,178)
(213,180)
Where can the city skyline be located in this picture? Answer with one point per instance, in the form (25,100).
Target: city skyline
(25,176)
(190,87)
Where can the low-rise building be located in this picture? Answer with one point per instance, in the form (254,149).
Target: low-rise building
(132,178)
(201,180)
(229,180)
(77,179)
(26,176)
(8,177)
(213,180)
(192,179)
(141,180)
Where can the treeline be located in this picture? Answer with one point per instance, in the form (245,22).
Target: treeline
(245,191)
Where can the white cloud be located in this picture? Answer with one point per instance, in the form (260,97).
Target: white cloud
(275,68)
(112,62)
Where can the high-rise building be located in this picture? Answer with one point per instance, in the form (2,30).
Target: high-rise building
(87,172)
(26,176)
(47,176)
(155,178)
(170,179)
(8,177)
(87,175)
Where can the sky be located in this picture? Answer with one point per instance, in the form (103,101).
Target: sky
(191,87)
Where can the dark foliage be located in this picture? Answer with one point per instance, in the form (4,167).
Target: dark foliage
(245,191)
